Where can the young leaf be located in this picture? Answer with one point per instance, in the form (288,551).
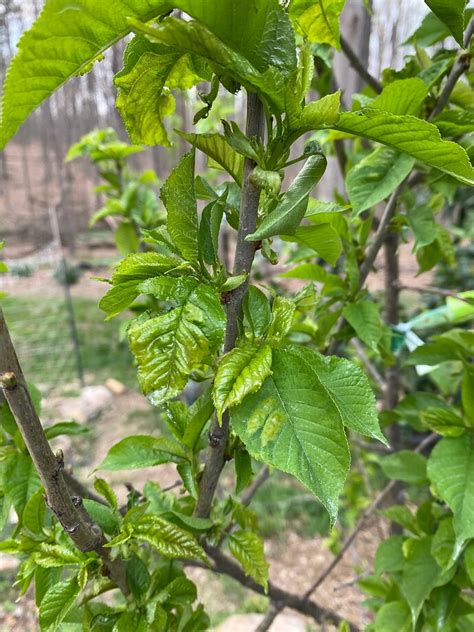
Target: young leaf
(321,113)
(247,547)
(209,228)
(257,313)
(180,200)
(286,217)
(451,471)
(394,616)
(144,98)
(107,492)
(282,318)
(195,38)
(240,372)
(34,512)
(102,515)
(64,41)
(452,14)
(129,274)
(65,428)
(141,451)
(376,176)
(317,20)
(216,147)
(168,539)
(126,238)
(295,422)
(56,604)
(170,346)
(412,135)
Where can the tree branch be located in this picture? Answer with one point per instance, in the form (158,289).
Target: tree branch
(69,510)
(224,565)
(358,67)
(244,255)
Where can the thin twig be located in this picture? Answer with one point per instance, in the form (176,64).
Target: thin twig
(459,67)
(224,565)
(253,488)
(69,511)
(431,289)
(244,255)
(368,364)
(358,67)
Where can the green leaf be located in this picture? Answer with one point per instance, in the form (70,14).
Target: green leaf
(467,393)
(404,96)
(257,313)
(414,136)
(216,147)
(56,556)
(247,547)
(406,466)
(144,98)
(376,176)
(295,422)
(34,512)
(195,38)
(243,469)
(321,113)
(423,225)
(126,238)
(322,238)
(259,30)
(420,575)
(64,41)
(138,577)
(431,31)
(364,318)
(442,544)
(209,229)
(286,217)
(102,515)
(389,556)
(141,451)
(317,20)
(451,471)
(105,490)
(129,274)
(69,428)
(57,602)
(180,200)
(168,539)
(393,617)
(240,372)
(450,13)
(170,346)
(455,122)
(21,481)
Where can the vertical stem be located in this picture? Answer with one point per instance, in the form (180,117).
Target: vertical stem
(392,292)
(244,255)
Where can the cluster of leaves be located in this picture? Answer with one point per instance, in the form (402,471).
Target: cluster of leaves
(129,196)
(289,406)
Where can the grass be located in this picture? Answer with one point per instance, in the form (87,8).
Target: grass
(42,336)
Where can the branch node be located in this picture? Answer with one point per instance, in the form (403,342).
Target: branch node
(8,380)
(76,501)
(214,440)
